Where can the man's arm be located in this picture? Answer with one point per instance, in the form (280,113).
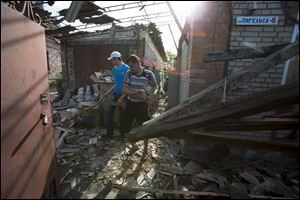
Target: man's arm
(141,94)
(121,100)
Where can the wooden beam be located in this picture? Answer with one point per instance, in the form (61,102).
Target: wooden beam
(269,120)
(248,127)
(216,113)
(288,146)
(254,124)
(204,102)
(152,190)
(178,24)
(244,53)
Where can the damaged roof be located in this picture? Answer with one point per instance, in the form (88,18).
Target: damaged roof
(88,9)
(104,19)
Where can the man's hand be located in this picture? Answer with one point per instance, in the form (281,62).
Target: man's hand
(120,101)
(141,94)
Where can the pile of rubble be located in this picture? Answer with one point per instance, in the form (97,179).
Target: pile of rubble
(91,166)
(75,104)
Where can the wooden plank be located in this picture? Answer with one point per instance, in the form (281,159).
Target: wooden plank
(248,127)
(255,124)
(61,138)
(274,145)
(94,78)
(269,120)
(152,190)
(205,101)
(241,165)
(112,194)
(268,197)
(243,53)
(247,105)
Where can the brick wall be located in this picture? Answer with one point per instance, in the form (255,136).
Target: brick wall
(255,37)
(209,33)
(151,56)
(54,58)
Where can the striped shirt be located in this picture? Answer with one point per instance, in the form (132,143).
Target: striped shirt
(145,80)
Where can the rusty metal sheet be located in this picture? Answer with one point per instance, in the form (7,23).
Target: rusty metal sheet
(28,163)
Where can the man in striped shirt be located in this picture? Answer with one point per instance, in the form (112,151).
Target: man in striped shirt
(139,84)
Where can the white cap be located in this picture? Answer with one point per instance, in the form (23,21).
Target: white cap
(114,54)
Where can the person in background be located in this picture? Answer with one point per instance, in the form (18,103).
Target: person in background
(119,70)
(138,85)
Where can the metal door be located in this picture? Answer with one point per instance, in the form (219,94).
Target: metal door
(27,144)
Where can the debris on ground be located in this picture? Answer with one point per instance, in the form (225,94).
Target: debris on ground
(92,166)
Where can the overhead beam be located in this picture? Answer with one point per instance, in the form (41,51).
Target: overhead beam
(177,22)
(134,18)
(131,5)
(173,37)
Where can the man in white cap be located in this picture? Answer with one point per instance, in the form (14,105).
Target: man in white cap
(119,72)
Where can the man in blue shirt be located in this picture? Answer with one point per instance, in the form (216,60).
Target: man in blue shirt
(120,69)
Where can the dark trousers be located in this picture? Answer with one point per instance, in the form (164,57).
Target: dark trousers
(111,113)
(133,110)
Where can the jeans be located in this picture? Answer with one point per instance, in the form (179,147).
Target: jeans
(111,113)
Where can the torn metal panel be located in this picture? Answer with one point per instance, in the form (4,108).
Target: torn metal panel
(88,9)
(63,30)
(73,10)
(104,19)
(47,21)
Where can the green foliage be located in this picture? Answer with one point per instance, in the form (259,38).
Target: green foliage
(171,58)
(155,35)
(57,81)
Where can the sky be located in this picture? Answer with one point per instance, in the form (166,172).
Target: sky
(156,13)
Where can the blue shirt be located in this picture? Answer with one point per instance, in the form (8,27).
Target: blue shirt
(119,73)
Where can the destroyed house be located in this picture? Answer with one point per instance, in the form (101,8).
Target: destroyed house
(47,153)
